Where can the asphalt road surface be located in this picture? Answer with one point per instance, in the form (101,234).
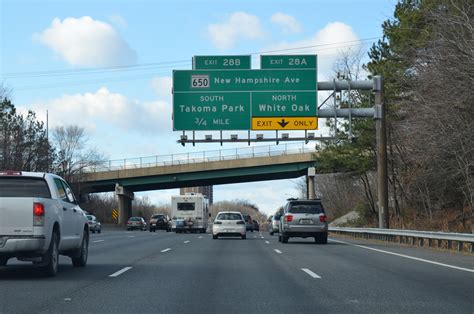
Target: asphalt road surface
(160,272)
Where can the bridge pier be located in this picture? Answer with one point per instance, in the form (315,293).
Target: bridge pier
(125,198)
(310,179)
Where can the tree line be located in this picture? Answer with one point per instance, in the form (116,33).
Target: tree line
(426,57)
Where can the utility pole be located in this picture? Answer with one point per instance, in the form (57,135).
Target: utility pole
(381,138)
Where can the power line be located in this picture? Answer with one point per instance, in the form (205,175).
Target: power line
(154,65)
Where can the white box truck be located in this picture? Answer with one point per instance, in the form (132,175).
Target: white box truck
(189,212)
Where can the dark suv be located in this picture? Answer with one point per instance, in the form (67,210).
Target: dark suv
(304,218)
(160,222)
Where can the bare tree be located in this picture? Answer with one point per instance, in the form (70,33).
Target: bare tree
(73,154)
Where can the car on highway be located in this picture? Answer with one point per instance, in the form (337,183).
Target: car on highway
(256,225)
(248,222)
(275,223)
(229,223)
(94,224)
(304,218)
(160,222)
(136,223)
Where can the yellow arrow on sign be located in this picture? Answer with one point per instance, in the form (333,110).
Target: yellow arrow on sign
(285,123)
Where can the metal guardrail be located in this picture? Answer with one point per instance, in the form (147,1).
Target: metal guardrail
(411,236)
(203,156)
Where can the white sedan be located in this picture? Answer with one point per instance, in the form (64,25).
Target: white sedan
(229,224)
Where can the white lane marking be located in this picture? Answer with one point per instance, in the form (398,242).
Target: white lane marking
(407,256)
(309,272)
(200,237)
(97,241)
(267,242)
(278,251)
(131,237)
(67,299)
(165,250)
(118,273)
(262,237)
(187,241)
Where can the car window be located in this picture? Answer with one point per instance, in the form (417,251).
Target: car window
(229,216)
(157,216)
(60,188)
(89,217)
(186,206)
(24,187)
(306,208)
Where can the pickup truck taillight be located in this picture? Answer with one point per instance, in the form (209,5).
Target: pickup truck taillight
(38,214)
(288,218)
(323,218)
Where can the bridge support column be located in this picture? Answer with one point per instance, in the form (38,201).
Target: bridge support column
(310,178)
(125,198)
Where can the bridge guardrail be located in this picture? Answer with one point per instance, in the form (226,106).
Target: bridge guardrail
(203,156)
(411,236)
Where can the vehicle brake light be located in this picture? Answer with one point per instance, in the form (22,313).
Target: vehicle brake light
(288,218)
(38,209)
(10,173)
(323,218)
(38,214)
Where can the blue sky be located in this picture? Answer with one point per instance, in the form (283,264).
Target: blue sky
(57,56)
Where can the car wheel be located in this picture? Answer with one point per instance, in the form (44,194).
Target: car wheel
(214,237)
(3,261)
(93,231)
(322,239)
(244,237)
(80,259)
(52,257)
(284,239)
(279,238)
(271,233)
(99,231)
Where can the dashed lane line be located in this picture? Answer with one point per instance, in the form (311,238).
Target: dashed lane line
(97,241)
(312,274)
(200,237)
(267,242)
(407,256)
(131,237)
(165,250)
(187,241)
(278,251)
(118,273)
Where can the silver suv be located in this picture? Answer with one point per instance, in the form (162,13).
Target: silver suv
(304,218)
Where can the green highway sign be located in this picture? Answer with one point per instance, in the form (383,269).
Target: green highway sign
(244,80)
(211,111)
(288,62)
(221,62)
(284,104)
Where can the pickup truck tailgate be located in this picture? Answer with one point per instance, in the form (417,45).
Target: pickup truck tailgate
(16,216)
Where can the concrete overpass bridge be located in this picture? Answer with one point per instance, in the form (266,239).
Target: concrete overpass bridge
(257,163)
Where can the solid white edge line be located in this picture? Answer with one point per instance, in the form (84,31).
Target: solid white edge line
(407,256)
(165,250)
(118,273)
(278,251)
(312,274)
(97,241)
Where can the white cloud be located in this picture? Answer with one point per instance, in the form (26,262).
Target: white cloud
(104,108)
(237,26)
(327,43)
(162,86)
(118,20)
(86,42)
(288,23)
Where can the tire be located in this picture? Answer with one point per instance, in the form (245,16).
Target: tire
(284,239)
(99,231)
(93,230)
(323,239)
(271,233)
(80,260)
(214,237)
(244,237)
(279,238)
(52,257)
(3,261)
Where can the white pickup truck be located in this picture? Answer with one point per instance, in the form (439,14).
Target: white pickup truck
(40,219)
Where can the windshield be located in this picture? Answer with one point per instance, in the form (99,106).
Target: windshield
(306,208)
(23,187)
(186,206)
(229,216)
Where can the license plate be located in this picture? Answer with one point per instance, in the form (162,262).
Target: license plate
(306,221)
